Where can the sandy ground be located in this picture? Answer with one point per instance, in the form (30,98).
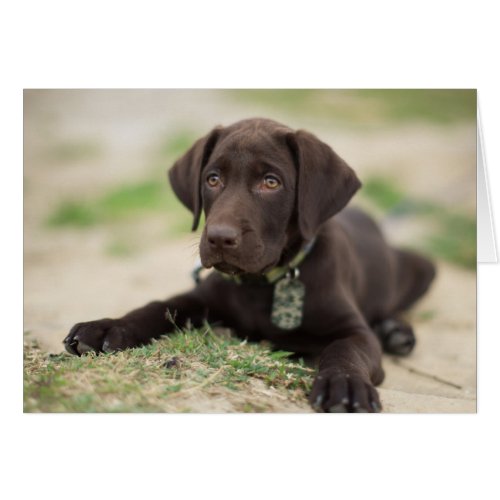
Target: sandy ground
(69,278)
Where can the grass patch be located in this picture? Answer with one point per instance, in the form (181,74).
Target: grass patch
(74,214)
(121,248)
(368,107)
(424,316)
(452,234)
(121,203)
(432,105)
(132,200)
(456,238)
(163,376)
(384,194)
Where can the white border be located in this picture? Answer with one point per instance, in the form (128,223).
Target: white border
(259,44)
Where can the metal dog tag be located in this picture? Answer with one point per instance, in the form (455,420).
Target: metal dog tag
(288,303)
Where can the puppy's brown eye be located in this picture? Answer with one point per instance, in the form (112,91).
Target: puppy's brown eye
(213,180)
(271,182)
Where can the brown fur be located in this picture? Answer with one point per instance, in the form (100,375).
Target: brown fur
(356,284)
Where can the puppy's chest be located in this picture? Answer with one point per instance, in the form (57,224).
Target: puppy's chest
(249,313)
(271,311)
(251,307)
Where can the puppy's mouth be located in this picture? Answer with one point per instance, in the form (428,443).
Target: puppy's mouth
(227,268)
(252,262)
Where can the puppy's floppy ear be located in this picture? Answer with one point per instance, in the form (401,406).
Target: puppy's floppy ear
(184,176)
(325,182)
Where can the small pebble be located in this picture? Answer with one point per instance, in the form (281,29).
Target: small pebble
(172,363)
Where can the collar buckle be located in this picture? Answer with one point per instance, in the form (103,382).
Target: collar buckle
(292,274)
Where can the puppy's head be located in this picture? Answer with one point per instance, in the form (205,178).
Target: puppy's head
(264,189)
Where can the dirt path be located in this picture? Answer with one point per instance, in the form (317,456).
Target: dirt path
(68,277)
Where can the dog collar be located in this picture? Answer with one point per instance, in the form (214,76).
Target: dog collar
(272,276)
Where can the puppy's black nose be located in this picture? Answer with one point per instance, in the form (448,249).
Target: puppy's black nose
(222,237)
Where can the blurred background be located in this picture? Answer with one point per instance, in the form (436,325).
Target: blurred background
(103,232)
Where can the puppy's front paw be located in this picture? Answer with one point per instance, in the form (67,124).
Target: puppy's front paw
(104,335)
(335,392)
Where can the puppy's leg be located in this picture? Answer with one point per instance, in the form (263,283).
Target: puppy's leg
(396,336)
(348,370)
(137,327)
(415,275)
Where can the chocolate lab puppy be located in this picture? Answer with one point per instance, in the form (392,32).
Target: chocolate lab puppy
(291,266)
